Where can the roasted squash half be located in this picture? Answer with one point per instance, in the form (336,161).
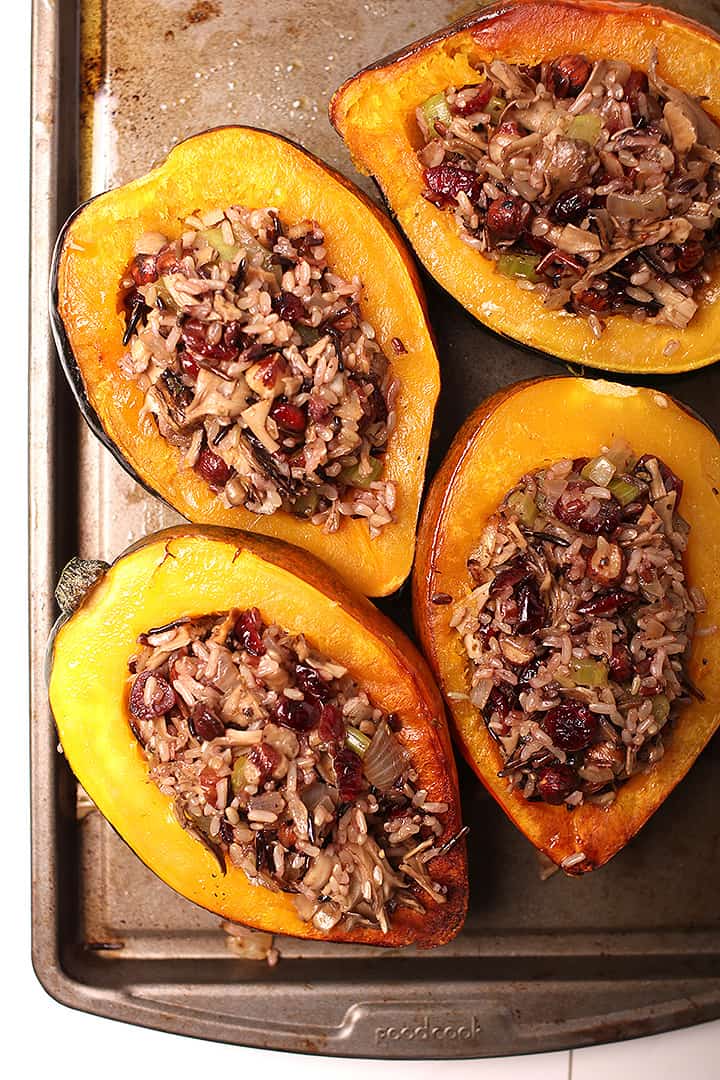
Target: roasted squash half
(374,111)
(520,429)
(252,168)
(189,571)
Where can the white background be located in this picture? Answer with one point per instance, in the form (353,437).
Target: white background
(47,1038)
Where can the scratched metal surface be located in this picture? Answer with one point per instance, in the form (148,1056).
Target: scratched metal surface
(632,949)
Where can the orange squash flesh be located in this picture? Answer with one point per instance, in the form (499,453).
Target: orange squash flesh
(191,571)
(520,429)
(374,112)
(244,166)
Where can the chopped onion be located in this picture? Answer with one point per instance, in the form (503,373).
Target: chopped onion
(384,759)
(480,693)
(315,793)
(645,207)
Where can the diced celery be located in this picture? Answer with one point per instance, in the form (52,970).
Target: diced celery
(214,239)
(585,672)
(237,778)
(625,491)
(353,477)
(434,109)
(523,504)
(600,470)
(305,505)
(356,741)
(519,265)
(585,128)
(254,248)
(660,708)
(495,108)
(309,334)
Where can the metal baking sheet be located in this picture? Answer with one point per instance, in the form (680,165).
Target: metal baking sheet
(629,950)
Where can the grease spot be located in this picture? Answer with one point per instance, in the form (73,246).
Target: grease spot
(201,11)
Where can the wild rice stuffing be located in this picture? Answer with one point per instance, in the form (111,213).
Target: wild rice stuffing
(257,364)
(278,760)
(579,624)
(596,185)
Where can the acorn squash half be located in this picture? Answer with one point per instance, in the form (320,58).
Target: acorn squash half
(518,430)
(374,111)
(245,166)
(188,571)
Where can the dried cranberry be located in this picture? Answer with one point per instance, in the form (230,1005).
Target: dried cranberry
(143,269)
(226,830)
(633,510)
(607,603)
(555,783)
(348,771)
(592,300)
(204,724)
(568,75)
(289,307)
(694,278)
(637,83)
(212,468)
(557,262)
(477,101)
(208,779)
(500,702)
(163,697)
(516,571)
(270,369)
(571,207)
(331,727)
(168,262)
(265,758)
(531,610)
(310,682)
(286,834)
(374,406)
(297,460)
(189,365)
(528,672)
(447,181)
(288,417)
(571,726)
(506,217)
(194,335)
(249,630)
(573,505)
(671,481)
(621,665)
(298,715)
(539,244)
(318,409)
